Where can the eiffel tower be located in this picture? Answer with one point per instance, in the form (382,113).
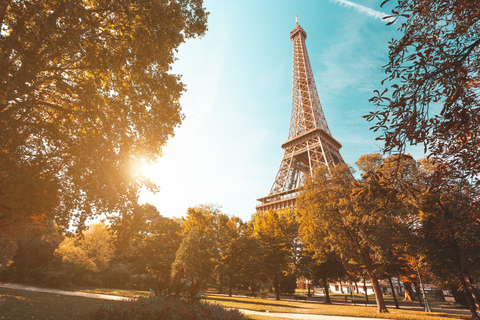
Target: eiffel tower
(310,143)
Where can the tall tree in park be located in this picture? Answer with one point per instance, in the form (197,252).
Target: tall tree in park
(146,240)
(356,219)
(433,70)
(276,232)
(86,95)
(208,236)
(91,251)
(321,271)
(450,240)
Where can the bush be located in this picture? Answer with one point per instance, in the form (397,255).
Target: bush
(141,282)
(160,307)
(116,276)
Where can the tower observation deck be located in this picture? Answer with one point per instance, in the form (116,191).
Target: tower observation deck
(310,143)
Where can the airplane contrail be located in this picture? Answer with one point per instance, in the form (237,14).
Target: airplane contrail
(362,9)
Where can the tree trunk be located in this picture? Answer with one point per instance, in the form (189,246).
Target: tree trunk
(341,287)
(327,295)
(308,286)
(393,291)
(277,288)
(221,283)
(467,290)
(365,289)
(468,297)
(419,295)
(381,307)
(399,286)
(231,284)
(474,291)
(408,291)
(356,287)
(253,287)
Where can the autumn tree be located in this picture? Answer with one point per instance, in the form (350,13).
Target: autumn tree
(91,251)
(146,240)
(433,75)
(86,95)
(276,232)
(356,219)
(450,241)
(321,271)
(206,250)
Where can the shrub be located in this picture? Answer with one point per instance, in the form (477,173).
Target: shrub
(160,307)
(141,282)
(179,286)
(116,276)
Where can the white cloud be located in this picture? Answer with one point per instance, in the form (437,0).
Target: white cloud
(365,10)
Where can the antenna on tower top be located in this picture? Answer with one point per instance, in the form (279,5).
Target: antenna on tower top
(296,20)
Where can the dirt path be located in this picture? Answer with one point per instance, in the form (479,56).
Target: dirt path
(63,292)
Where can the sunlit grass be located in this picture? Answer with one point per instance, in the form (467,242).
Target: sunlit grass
(118,292)
(23,304)
(284,306)
(39,305)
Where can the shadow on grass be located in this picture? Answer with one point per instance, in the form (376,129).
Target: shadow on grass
(253,302)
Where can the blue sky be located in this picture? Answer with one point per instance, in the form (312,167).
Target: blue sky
(239,82)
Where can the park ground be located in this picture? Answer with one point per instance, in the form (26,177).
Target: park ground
(26,302)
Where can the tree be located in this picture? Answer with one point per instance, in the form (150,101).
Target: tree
(329,268)
(92,251)
(146,240)
(356,219)
(209,236)
(86,96)
(451,243)
(192,257)
(276,232)
(433,66)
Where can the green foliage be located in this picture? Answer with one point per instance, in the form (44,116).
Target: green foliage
(161,307)
(86,96)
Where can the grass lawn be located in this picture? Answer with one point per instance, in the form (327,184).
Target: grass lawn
(22,304)
(114,292)
(320,308)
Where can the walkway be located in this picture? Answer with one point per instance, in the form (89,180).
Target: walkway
(119,298)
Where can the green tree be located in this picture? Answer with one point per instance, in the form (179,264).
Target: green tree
(86,96)
(276,232)
(433,70)
(357,219)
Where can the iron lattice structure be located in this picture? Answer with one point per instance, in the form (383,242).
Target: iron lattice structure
(310,143)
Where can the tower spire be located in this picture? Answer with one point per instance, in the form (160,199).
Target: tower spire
(310,143)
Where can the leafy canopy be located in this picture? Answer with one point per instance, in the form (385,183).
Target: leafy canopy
(86,94)
(433,66)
